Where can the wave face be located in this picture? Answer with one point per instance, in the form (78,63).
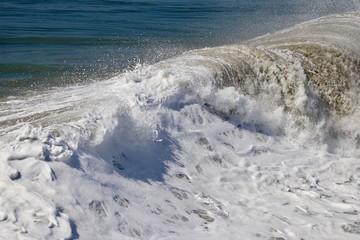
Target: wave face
(259,139)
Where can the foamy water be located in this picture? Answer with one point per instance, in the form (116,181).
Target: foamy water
(252,141)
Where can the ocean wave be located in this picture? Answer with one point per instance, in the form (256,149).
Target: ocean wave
(248,129)
(305,77)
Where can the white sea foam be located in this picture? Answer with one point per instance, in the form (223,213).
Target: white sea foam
(234,142)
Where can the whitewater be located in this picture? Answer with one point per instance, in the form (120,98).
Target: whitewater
(258,140)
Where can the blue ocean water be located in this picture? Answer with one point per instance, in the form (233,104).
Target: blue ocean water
(52,43)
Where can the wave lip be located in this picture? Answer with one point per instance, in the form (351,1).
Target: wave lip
(324,52)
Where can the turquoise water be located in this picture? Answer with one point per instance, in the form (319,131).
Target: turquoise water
(52,43)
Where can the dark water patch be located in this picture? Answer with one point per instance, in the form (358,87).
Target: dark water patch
(67,40)
(26,68)
(352,228)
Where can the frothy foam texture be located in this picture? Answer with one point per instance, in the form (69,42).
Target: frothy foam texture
(258,140)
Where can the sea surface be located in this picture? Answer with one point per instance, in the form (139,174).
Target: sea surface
(180,120)
(52,43)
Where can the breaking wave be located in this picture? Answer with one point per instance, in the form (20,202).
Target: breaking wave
(309,72)
(299,85)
